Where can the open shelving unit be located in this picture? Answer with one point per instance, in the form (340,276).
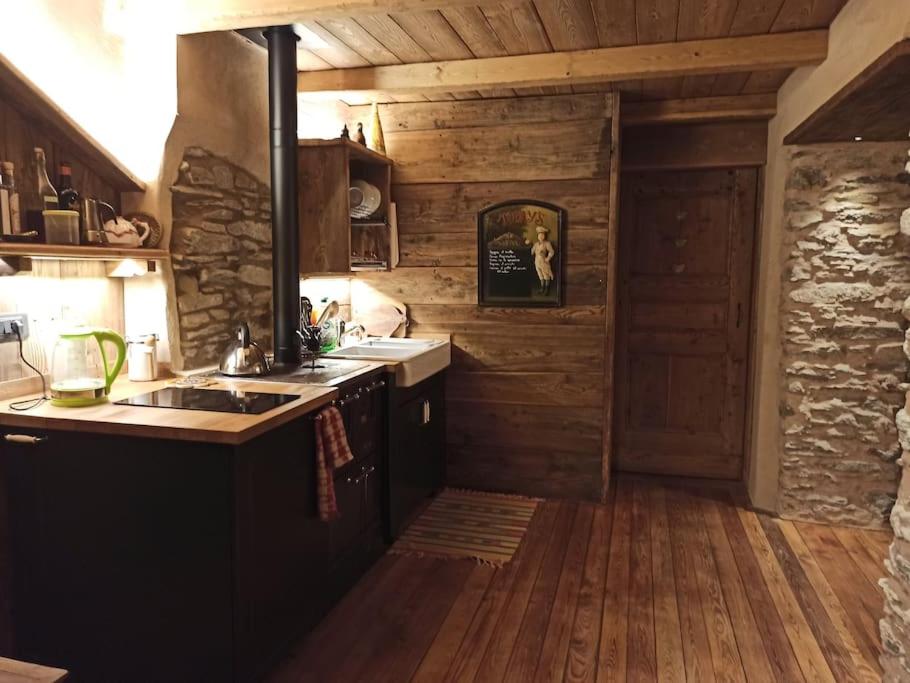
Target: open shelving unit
(333,243)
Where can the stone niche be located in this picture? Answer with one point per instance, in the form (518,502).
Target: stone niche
(846,276)
(895,626)
(221,256)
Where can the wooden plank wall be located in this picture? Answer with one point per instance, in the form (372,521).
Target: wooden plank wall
(20,132)
(526,390)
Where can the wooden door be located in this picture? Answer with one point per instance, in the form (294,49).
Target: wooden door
(685,291)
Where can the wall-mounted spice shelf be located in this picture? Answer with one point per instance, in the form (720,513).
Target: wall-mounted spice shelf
(68,251)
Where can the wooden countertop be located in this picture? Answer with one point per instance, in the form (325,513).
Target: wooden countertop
(172,423)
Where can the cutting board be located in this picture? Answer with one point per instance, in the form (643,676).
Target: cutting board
(381,317)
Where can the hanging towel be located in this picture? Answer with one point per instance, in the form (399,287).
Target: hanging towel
(332,451)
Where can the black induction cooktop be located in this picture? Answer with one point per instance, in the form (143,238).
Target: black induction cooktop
(248,402)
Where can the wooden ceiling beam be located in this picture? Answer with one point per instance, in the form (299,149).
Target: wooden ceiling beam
(660,60)
(200,16)
(700,109)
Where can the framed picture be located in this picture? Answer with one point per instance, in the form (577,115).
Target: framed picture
(521,248)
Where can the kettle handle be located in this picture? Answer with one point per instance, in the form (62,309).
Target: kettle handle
(105,205)
(243,334)
(111,372)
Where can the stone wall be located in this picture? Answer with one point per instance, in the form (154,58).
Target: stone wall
(846,276)
(895,626)
(221,256)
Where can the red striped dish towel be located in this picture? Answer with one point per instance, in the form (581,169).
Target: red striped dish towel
(332,451)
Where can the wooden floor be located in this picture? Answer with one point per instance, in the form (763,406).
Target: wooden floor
(664,583)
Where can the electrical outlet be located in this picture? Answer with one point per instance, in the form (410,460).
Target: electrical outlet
(8,332)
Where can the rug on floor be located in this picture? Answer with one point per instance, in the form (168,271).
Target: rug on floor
(486,527)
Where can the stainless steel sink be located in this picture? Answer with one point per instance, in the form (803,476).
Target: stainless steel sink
(416,359)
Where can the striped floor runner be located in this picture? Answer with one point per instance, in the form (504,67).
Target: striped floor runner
(467,524)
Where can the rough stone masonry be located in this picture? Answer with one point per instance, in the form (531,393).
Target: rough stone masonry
(895,626)
(221,255)
(846,278)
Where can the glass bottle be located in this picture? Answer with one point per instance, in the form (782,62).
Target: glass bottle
(68,197)
(8,182)
(66,177)
(6,225)
(46,190)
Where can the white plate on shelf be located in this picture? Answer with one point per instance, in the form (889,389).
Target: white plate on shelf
(372,199)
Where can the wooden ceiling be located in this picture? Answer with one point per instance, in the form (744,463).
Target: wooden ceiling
(520,27)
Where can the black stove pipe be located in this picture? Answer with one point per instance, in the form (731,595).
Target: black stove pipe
(282,44)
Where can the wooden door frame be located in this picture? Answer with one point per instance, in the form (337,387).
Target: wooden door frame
(608,433)
(675,161)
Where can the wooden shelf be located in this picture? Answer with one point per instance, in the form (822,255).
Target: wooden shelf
(872,107)
(67,251)
(355,150)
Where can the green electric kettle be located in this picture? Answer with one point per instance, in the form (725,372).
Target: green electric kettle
(80,372)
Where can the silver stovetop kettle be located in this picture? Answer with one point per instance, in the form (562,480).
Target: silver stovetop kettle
(244,357)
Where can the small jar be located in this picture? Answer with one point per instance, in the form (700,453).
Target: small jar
(61,227)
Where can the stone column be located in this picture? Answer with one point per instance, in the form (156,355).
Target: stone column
(895,626)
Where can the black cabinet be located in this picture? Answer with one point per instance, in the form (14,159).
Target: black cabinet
(152,560)
(121,555)
(281,546)
(417,450)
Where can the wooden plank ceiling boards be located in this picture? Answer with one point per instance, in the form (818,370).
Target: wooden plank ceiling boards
(419,31)
(873,106)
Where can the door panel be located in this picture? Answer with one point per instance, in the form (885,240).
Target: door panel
(682,322)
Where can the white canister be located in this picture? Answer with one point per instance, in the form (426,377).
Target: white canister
(143,358)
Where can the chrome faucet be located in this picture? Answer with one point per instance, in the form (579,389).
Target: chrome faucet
(357,329)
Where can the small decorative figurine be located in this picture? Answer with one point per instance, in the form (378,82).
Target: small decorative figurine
(360,137)
(345,133)
(377,140)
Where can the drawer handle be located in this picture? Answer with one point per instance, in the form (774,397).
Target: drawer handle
(24,439)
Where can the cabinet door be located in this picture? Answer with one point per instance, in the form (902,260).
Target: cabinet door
(346,529)
(416,460)
(283,549)
(408,468)
(121,554)
(365,412)
(433,439)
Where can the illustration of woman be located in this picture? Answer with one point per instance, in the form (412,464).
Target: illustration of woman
(543,252)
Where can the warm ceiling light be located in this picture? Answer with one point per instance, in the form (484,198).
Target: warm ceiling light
(309,39)
(127,268)
(858,138)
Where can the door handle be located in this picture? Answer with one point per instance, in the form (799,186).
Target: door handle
(739,315)
(426,412)
(24,439)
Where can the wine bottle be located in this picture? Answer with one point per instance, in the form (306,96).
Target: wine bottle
(6,218)
(67,196)
(46,190)
(8,183)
